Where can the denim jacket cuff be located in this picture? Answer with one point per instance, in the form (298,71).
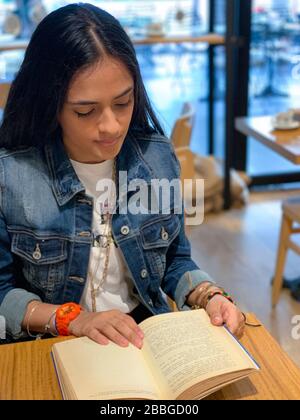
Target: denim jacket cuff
(13,309)
(186,284)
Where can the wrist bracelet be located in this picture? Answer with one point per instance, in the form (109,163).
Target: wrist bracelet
(212,289)
(221,293)
(48,325)
(39,335)
(200,289)
(208,295)
(65,314)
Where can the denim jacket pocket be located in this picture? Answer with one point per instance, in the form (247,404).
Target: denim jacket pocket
(42,261)
(157,236)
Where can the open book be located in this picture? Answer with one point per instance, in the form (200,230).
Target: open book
(183,357)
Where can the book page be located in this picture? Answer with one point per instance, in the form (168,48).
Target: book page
(104,372)
(187,349)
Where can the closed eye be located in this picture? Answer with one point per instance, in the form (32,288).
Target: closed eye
(124,105)
(81,115)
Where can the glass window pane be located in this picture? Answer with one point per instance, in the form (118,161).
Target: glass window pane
(173,73)
(274,73)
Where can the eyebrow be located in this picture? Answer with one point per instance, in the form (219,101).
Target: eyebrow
(87,102)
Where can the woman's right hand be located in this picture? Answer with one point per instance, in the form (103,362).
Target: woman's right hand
(103,327)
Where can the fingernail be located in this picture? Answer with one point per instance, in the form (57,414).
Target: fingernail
(217,319)
(140,333)
(124,343)
(139,343)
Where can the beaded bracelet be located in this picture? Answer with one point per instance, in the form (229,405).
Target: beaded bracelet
(207,297)
(221,293)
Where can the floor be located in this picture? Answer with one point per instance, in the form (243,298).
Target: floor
(238,249)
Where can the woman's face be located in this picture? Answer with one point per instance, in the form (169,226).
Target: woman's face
(96,115)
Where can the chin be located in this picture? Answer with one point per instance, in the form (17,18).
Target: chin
(108,156)
(108,153)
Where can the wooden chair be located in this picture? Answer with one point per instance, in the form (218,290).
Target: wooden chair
(4,90)
(182,129)
(290,220)
(172,304)
(186,160)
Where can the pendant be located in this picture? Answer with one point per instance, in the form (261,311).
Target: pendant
(101,241)
(93,296)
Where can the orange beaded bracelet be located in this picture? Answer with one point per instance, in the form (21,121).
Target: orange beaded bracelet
(64,315)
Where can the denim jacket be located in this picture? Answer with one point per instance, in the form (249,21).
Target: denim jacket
(46,231)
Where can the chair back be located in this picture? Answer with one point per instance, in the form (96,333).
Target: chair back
(186,160)
(4,90)
(182,129)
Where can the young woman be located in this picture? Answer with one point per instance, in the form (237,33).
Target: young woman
(78,114)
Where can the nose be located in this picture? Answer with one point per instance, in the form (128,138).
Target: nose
(108,124)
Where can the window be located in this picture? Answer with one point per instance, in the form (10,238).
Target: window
(274,72)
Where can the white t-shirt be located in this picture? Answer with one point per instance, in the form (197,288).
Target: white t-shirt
(116,291)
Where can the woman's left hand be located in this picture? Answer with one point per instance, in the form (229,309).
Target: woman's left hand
(222,311)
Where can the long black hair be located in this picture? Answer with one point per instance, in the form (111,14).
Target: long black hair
(67,40)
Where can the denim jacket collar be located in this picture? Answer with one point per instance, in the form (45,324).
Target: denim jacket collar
(131,159)
(65,181)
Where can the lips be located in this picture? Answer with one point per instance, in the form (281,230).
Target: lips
(107,142)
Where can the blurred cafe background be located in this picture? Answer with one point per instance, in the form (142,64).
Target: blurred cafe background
(224,77)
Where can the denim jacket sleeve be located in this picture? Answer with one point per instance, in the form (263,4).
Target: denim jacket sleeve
(182,274)
(13,301)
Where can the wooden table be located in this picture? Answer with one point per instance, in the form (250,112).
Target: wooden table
(210,39)
(27,371)
(285,143)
